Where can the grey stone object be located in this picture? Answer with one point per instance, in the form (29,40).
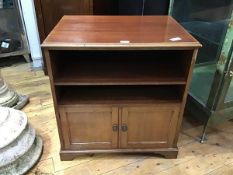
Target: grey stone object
(10,98)
(20,147)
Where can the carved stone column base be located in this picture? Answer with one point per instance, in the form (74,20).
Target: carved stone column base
(23,100)
(10,98)
(20,147)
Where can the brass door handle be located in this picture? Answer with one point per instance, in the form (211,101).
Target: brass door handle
(115,128)
(124,128)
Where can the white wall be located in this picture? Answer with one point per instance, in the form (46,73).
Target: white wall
(29,15)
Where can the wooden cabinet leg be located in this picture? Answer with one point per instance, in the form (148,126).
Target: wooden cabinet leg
(72,156)
(169,154)
(67,156)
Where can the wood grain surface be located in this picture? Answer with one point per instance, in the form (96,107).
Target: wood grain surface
(119,31)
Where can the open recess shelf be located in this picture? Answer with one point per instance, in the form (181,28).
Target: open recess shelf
(74,95)
(119,67)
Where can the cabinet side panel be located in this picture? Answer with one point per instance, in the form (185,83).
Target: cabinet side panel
(193,60)
(51,70)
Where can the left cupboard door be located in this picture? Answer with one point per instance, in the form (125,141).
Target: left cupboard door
(89,127)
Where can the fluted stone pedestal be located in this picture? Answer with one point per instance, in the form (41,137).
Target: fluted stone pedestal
(20,147)
(9,98)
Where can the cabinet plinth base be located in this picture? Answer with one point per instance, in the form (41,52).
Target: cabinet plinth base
(169,153)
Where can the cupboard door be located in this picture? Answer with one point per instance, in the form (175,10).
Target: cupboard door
(148,127)
(89,127)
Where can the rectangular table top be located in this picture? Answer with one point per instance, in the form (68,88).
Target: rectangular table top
(87,32)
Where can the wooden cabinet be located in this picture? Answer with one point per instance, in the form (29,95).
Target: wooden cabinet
(119,83)
(49,12)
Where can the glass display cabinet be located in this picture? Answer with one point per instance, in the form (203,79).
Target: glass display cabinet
(211,91)
(13,40)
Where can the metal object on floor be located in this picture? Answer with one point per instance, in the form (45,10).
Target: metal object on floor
(20,147)
(211,93)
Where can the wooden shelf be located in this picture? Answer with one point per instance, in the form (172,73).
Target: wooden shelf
(119,68)
(73,95)
(101,74)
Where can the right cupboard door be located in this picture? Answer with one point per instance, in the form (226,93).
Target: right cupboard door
(148,127)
